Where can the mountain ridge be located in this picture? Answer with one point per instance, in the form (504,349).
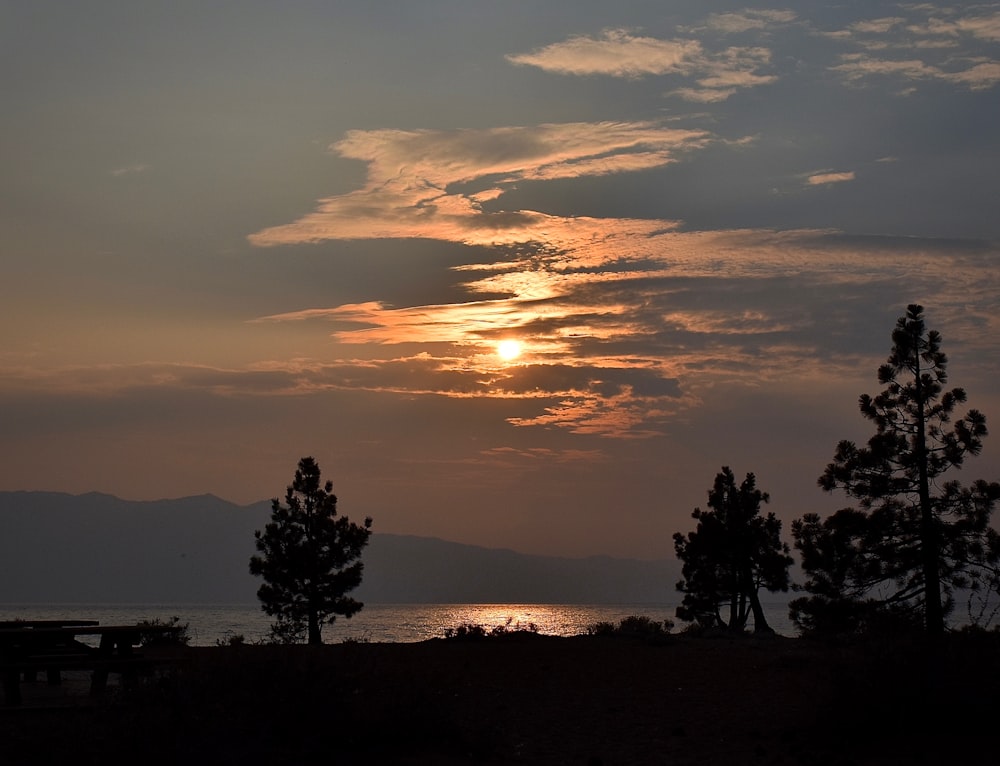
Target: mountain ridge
(97,548)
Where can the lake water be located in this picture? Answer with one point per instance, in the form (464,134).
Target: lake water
(210,623)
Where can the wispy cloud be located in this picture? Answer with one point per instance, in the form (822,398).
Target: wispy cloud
(747,20)
(434,184)
(923,43)
(128,170)
(930,43)
(829,177)
(620,352)
(626,322)
(617,53)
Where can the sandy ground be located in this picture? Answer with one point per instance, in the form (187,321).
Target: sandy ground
(529,700)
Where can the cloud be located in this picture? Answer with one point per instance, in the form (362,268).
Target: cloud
(748,20)
(930,44)
(877,26)
(985,27)
(433,184)
(829,177)
(128,170)
(624,323)
(619,54)
(628,324)
(703,95)
(623,346)
(616,53)
(980,76)
(857,66)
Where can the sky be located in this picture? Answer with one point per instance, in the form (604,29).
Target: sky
(519,274)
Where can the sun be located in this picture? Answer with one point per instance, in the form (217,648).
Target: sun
(508,350)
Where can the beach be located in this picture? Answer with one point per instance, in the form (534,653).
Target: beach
(532,699)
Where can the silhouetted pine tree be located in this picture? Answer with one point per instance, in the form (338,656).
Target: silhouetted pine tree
(310,558)
(732,553)
(915,539)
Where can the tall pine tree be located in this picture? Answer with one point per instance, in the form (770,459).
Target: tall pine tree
(915,538)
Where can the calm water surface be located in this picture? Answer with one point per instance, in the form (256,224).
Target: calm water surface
(210,623)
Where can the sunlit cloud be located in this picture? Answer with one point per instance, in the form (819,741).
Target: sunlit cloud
(827,177)
(747,20)
(621,348)
(877,26)
(433,184)
(703,95)
(985,27)
(857,66)
(624,325)
(615,53)
(621,352)
(619,54)
(932,44)
(980,76)
(950,24)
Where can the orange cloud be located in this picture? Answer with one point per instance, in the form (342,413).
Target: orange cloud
(615,53)
(819,179)
(619,54)
(623,344)
(412,178)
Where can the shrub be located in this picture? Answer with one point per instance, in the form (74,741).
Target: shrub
(469,631)
(231,639)
(149,635)
(634,626)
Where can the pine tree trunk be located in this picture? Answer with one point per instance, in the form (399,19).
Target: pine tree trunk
(929,545)
(315,636)
(759,620)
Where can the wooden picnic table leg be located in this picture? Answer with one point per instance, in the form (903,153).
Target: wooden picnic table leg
(130,675)
(99,678)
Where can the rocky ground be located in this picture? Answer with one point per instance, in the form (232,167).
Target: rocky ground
(529,699)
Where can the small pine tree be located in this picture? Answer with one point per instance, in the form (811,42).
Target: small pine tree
(731,555)
(310,558)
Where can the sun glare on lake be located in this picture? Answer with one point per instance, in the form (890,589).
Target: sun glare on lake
(508,350)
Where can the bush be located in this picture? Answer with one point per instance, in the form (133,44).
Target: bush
(149,635)
(469,631)
(634,626)
(231,639)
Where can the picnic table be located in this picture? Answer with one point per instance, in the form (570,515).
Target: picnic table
(53,645)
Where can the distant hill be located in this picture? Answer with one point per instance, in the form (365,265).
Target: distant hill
(96,548)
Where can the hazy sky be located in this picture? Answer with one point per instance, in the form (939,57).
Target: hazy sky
(237,233)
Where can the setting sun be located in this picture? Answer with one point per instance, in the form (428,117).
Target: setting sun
(509,349)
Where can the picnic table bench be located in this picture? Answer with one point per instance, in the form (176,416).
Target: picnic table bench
(51,645)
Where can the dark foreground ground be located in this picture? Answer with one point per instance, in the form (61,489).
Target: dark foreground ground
(528,699)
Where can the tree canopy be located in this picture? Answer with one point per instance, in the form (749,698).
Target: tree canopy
(309,557)
(915,538)
(733,552)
